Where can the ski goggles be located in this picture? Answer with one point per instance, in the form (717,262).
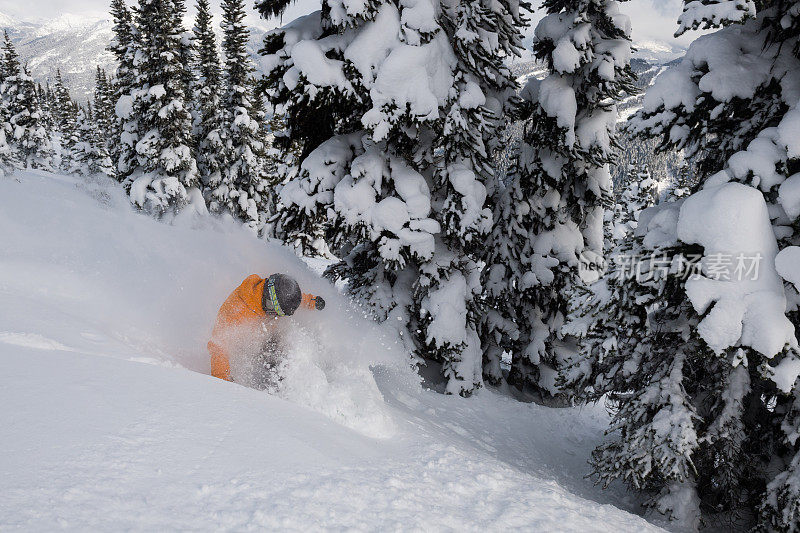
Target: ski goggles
(273,297)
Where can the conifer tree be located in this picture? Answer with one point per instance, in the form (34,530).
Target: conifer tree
(44,101)
(209,119)
(609,316)
(639,192)
(65,120)
(48,101)
(513,271)
(283,161)
(29,139)
(125,122)
(51,97)
(394,169)
(707,14)
(186,48)
(64,110)
(104,108)
(243,191)
(81,152)
(32,141)
(10,64)
(8,158)
(89,154)
(557,201)
(780,508)
(166,170)
(706,419)
(270,160)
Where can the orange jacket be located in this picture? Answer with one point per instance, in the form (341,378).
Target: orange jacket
(241,309)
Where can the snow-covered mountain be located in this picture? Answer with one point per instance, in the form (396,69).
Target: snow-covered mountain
(76,45)
(658,51)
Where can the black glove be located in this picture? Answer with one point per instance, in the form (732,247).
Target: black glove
(319,303)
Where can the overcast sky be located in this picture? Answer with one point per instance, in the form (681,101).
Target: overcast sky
(652,19)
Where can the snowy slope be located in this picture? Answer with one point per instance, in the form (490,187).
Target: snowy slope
(109,421)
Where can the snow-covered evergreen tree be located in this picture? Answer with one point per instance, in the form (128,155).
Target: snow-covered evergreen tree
(8,67)
(609,317)
(64,109)
(284,152)
(104,115)
(166,172)
(484,91)
(706,14)
(396,109)
(513,272)
(273,166)
(42,93)
(780,509)
(186,47)
(561,186)
(243,190)
(82,149)
(208,119)
(50,97)
(8,161)
(125,122)
(30,140)
(705,380)
(65,119)
(639,192)
(283,161)
(90,153)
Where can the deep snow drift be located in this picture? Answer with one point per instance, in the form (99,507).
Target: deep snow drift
(110,421)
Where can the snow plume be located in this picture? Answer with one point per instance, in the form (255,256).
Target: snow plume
(150,291)
(328,370)
(103,309)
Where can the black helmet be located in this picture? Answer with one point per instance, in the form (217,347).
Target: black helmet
(281,296)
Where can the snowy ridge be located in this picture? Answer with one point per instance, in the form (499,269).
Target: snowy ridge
(68,22)
(77,45)
(7,21)
(658,51)
(118,427)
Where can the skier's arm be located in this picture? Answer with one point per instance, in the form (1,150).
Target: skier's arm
(312,302)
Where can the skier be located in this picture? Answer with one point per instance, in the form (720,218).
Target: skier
(247,322)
